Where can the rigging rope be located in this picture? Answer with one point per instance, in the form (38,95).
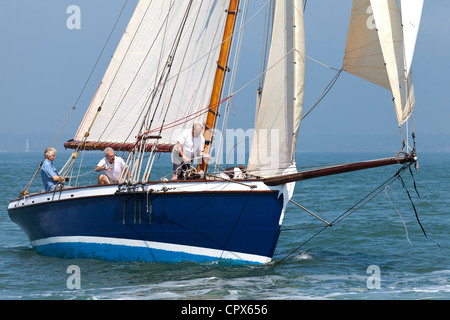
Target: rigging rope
(239,38)
(323,94)
(25,190)
(92,71)
(414,207)
(163,78)
(231,94)
(119,68)
(358,206)
(401,218)
(202,57)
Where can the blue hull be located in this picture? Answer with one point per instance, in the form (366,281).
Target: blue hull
(163,227)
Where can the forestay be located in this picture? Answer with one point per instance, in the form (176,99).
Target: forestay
(161,74)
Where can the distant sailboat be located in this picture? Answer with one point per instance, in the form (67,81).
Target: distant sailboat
(27,146)
(169,71)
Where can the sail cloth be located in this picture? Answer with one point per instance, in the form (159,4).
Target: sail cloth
(278,117)
(378,48)
(411,14)
(161,74)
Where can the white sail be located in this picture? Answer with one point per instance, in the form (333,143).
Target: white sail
(363,55)
(278,118)
(411,14)
(162,71)
(378,51)
(389,26)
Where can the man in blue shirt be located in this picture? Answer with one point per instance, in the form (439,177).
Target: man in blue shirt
(49,174)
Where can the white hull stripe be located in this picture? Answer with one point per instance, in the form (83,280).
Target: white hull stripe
(219,254)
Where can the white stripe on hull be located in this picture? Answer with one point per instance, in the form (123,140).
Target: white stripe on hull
(199,251)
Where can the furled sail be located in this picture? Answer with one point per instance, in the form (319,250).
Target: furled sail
(161,75)
(376,49)
(278,118)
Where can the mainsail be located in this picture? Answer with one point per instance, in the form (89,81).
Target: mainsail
(278,118)
(379,48)
(160,78)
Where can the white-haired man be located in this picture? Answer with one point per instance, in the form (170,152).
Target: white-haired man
(49,174)
(189,143)
(113,167)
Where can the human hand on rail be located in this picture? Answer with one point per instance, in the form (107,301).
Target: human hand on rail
(61,179)
(186,160)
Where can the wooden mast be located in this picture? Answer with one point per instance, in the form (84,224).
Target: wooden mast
(219,79)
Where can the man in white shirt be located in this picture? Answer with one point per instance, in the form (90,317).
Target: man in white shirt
(189,143)
(113,167)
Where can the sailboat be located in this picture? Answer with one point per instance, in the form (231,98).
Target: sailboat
(168,71)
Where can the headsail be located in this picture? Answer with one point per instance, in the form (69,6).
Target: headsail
(278,119)
(363,56)
(411,14)
(161,74)
(376,49)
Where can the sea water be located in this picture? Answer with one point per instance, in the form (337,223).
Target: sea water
(377,252)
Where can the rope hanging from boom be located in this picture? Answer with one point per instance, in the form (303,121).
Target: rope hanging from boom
(363,202)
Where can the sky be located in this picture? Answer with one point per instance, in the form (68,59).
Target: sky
(46,58)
